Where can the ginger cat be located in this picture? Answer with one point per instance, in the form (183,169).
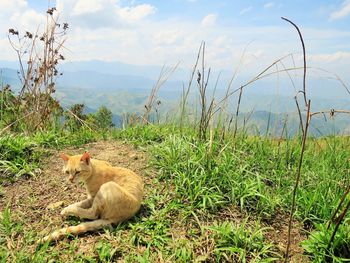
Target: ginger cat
(114,194)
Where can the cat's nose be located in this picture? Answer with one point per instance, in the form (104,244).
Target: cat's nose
(71,178)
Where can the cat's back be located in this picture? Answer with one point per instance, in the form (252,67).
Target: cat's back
(129,180)
(126,178)
(99,163)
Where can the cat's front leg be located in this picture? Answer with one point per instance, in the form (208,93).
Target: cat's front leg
(89,213)
(67,211)
(87,203)
(71,209)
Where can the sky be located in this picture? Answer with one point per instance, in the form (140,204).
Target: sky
(154,32)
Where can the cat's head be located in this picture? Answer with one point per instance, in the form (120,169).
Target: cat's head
(77,166)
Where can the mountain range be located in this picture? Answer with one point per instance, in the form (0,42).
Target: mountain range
(124,88)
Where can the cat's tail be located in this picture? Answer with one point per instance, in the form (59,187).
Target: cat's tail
(75,230)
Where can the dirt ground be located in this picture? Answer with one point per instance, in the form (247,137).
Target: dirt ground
(37,202)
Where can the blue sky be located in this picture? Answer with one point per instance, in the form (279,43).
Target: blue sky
(307,13)
(166,32)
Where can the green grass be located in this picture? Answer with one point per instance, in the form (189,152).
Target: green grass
(196,181)
(255,174)
(22,155)
(144,135)
(242,243)
(19,156)
(317,244)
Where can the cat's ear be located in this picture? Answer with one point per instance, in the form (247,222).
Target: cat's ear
(85,158)
(64,157)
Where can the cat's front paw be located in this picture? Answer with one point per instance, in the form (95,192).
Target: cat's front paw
(66,211)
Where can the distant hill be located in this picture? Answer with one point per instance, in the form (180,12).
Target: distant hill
(124,88)
(111,68)
(272,124)
(120,68)
(10,77)
(103,81)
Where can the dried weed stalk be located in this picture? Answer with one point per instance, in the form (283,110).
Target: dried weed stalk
(153,102)
(39,54)
(304,127)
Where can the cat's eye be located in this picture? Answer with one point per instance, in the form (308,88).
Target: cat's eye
(77,172)
(67,172)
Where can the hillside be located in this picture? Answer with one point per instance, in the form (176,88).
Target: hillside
(199,201)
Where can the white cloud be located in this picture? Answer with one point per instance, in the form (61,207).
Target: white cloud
(8,6)
(28,20)
(252,57)
(209,20)
(87,7)
(102,13)
(223,41)
(167,37)
(342,12)
(6,53)
(268,5)
(16,14)
(245,10)
(332,57)
(137,13)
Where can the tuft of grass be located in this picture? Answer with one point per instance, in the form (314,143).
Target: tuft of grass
(22,156)
(106,252)
(7,226)
(316,246)
(144,135)
(19,156)
(242,243)
(59,139)
(8,229)
(212,179)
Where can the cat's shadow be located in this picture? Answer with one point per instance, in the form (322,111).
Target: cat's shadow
(144,211)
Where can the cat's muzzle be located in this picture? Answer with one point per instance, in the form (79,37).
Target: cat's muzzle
(71,178)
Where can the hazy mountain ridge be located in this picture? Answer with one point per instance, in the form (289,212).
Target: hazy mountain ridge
(10,77)
(288,124)
(118,87)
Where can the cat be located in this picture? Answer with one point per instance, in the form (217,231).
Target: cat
(114,194)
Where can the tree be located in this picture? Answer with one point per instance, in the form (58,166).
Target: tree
(103,118)
(74,117)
